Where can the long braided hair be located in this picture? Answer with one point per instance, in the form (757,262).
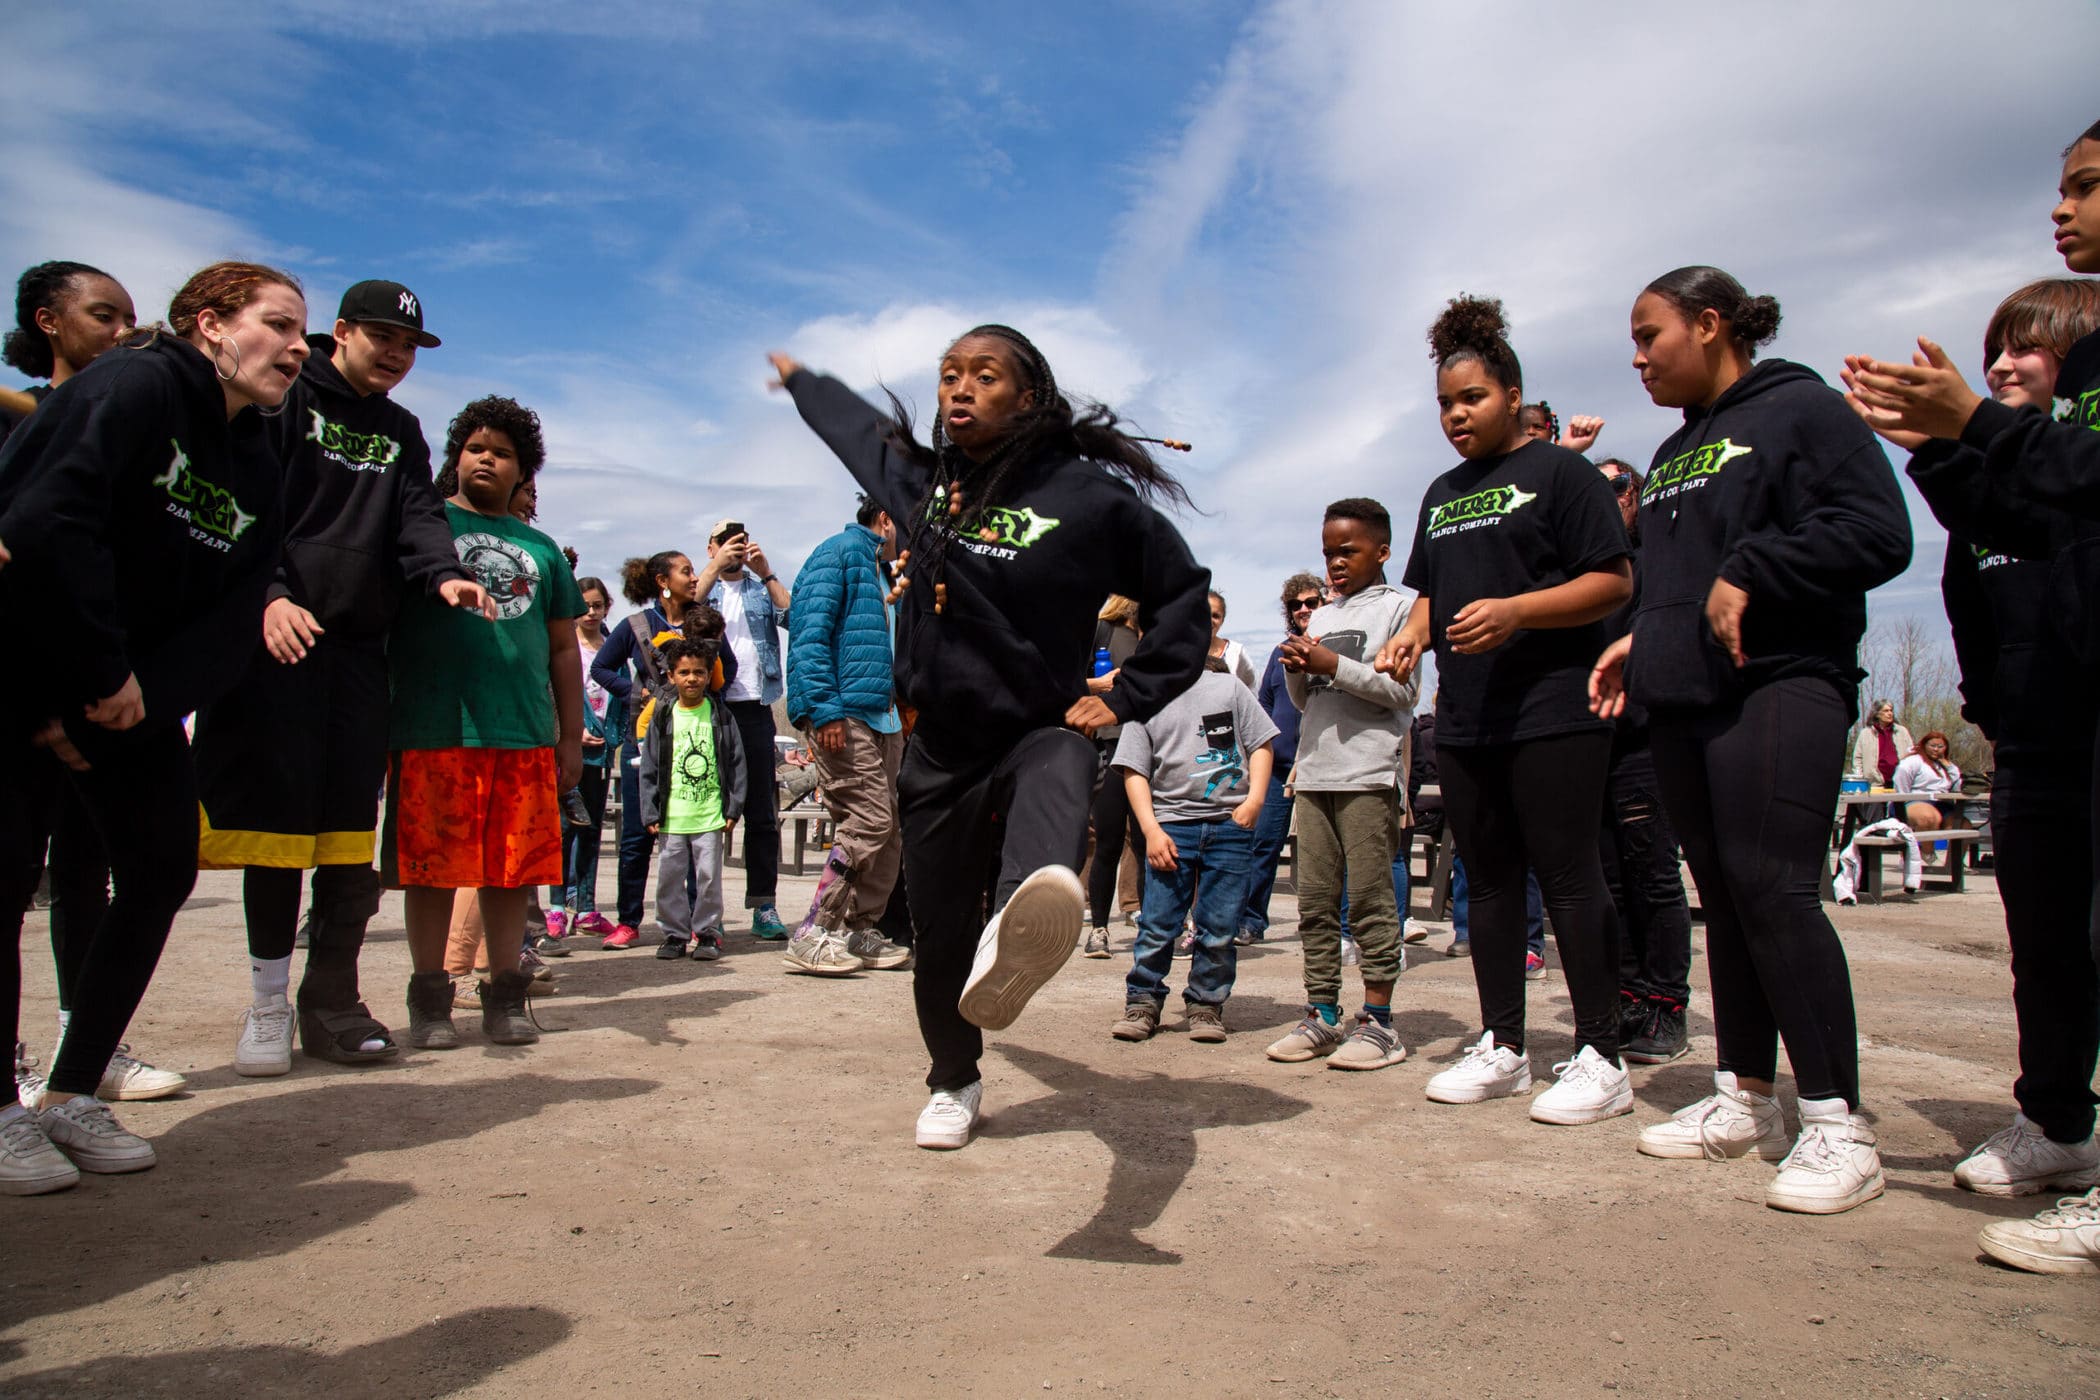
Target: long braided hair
(961,493)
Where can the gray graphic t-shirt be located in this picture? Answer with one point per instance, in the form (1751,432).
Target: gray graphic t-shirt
(1195,751)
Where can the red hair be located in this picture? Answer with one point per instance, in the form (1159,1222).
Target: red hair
(224,287)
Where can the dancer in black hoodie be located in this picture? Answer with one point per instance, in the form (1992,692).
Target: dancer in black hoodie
(290,761)
(141,503)
(1764,521)
(1519,555)
(1016,522)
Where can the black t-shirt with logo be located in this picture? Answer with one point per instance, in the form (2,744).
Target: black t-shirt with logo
(1530,519)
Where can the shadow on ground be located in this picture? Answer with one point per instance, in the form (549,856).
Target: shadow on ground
(1149,1123)
(440,1358)
(248,1180)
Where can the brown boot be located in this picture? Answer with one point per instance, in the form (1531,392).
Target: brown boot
(503,1018)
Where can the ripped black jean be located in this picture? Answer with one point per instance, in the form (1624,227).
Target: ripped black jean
(1640,869)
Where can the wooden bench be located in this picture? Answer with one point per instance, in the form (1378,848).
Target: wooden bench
(1873,848)
(812,827)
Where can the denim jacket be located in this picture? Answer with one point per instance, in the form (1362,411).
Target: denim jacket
(765,621)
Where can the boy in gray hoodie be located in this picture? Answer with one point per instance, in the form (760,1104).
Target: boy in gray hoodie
(1347,786)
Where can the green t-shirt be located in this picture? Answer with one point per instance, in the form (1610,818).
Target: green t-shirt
(462,682)
(694,803)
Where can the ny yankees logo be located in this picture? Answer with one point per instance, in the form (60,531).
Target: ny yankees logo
(408,303)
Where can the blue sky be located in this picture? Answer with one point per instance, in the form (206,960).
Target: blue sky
(1232,221)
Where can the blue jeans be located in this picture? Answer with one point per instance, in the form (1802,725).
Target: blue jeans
(1214,863)
(1534,908)
(1269,835)
(578,892)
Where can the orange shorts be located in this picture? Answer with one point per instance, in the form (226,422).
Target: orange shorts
(471,819)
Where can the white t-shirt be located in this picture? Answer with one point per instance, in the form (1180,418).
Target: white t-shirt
(1914,774)
(736,631)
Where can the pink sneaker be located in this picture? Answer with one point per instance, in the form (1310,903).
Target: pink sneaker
(557,924)
(593,923)
(621,937)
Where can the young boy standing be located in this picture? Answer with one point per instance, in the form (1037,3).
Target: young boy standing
(692,794)
(1196,774)
(485,728)
(1347,786)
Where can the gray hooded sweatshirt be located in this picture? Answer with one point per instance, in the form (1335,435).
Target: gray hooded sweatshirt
(1355,720)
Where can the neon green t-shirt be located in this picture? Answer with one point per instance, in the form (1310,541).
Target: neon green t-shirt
(694,803)
(462,682)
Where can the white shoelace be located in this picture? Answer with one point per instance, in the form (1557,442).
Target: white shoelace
(2073,1212)
(1814,1151)
(93,1116)
(1580,1071)
(21,1135)
(1701,1115)
(269,1025)
(2016,1143)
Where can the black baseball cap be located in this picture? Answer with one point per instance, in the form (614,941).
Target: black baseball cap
(390,304)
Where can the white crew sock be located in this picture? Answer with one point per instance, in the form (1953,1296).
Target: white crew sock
(272,978)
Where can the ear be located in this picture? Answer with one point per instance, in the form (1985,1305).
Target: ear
(1027,399)
(1707,328)
(342,329)
(47,321)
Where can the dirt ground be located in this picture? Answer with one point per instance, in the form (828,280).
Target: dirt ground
(705,1183)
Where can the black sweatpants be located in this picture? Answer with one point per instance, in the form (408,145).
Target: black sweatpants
(1534,804)
(1114,828)
(754,725)
(141,796)
(1750,791)
(963,821)
(2041,834)
(1640,870)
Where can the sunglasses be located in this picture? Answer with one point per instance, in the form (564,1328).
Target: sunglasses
(1622,484)
(1304,604)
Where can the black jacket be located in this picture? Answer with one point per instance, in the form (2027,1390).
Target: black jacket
(1011,651)
(1779,488)
(363,521)
(144,528)
(730,763)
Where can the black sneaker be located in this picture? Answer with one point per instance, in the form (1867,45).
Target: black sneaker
(1633,1016)
(1662,1039)
(672,948)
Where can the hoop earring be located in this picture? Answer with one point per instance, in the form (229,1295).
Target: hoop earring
(218,345)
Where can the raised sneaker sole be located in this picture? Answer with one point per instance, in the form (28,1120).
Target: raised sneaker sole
(820,969)
(1682,1149)
(1342,1058)
(1476,1092)
(1544,1110)
(1866,1191)
(41,1183)
(1654,1057)
(1023,947)
(945,1141)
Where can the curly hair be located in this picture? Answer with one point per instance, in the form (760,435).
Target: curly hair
(1753,321)
(1474,328)
(507,416)
(223,287)
(1296,586)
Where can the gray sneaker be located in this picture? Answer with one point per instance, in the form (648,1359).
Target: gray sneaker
(875,951)
(29,1164)
(1206,1023)
(92,1138)
(820,953)
(1309,1039)
(1095,944)
(1140,1019)
(1369,1046)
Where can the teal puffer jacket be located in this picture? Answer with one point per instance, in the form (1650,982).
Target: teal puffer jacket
(839,633)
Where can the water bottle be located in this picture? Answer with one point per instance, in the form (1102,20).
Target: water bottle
(1103,662)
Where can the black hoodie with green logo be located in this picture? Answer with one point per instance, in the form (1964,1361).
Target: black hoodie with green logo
(364,522)
(1780,489)
(1010,650)
(144,527)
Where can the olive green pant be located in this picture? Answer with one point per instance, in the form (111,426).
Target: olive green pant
(1347,837)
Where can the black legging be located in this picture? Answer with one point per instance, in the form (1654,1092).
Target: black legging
(1534,804)
(344,899)
(966,822)
(1750,792)
(141,795)
(1113,826)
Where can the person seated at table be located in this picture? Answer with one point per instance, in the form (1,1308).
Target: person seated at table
(1927,769)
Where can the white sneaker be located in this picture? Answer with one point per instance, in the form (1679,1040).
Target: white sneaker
(265,1046)
(1586,1089)
(822,953)
(29,1164)
(1486,1071)
(1729,1122)
(2022,1159)
(1023,947)
(1414,931)
(2065,1240)
(88,1133)
(131,1080)
(1833,1166)
(29,1083)
(950,1116)
(877,952)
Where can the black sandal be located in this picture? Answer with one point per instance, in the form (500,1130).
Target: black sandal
(340,1034)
